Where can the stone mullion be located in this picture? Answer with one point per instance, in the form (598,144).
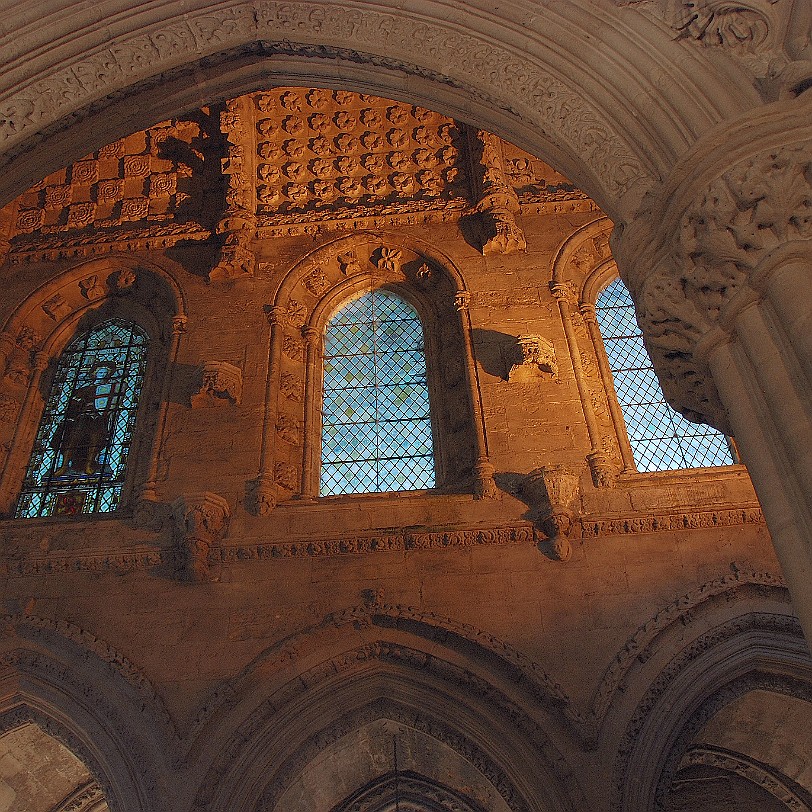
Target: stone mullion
(148,489)
(618,421)
(485,487)
(562,294)
(774,475)
(23,434)
(312,425)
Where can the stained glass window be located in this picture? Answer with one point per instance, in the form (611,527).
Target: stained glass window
(661,438)
(80,453)
(376,433)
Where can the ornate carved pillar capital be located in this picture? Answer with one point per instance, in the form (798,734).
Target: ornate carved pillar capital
(275,314)
(714,249)
(201,521)
(179,324)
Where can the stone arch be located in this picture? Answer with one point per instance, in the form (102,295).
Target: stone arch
(379,662)
(90,698)
(383,681)
(303,302)
(613,129)
(758,649)
(400,790)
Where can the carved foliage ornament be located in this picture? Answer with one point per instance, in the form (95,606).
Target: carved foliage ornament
(736,222)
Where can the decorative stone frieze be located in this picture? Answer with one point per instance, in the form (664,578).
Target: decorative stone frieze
(538,360)
(220,384)
(553,493)
(201,521)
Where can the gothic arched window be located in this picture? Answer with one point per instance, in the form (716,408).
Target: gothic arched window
(661,438)
(376,420)
(80,453)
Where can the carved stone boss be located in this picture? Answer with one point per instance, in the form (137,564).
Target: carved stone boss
(219,384)
(538,360)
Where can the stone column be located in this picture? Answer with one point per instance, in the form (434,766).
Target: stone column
(726,310)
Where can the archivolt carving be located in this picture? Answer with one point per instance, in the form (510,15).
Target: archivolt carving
(408,792)
(656,768)
(126,723)
(373,616)
(494,73)
(746,768)
(638,646)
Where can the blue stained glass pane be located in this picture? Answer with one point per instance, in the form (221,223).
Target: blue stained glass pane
(660,437)
(376,421)
(79,458)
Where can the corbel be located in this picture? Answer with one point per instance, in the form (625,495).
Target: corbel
(219,383)
(553,493)
(201,522)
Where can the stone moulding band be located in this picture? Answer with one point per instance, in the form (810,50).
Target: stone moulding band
(146,557)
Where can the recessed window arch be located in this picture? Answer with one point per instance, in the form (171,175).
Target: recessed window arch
(79,461)
(376,417)
(661,439)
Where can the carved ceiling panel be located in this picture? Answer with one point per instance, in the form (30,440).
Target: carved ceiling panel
(283,161)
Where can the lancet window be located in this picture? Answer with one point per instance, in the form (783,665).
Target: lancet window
(661,439)
(79,461)
(376,419)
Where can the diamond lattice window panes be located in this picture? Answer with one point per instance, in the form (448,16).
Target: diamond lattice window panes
(376,423)
(661,439)
(80,453)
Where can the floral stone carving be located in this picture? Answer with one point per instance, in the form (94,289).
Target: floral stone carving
(201,521)
(220,384)
(538,360)
(553,494)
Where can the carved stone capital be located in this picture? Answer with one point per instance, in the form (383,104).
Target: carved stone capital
(261,494)
(603,470)
(484,484)
(553,493)
(201,521)
(179,324)
(219,384)
(538,360)
(728,240)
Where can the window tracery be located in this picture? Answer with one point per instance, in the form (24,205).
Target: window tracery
(376,421)
(79,460)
